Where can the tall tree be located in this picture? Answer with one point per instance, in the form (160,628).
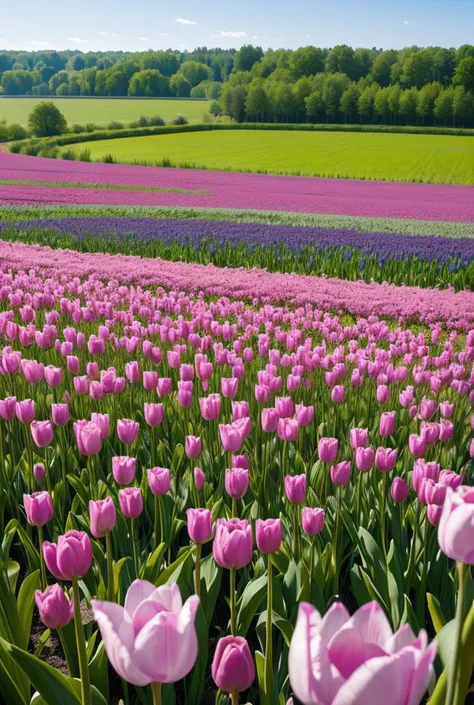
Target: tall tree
(246,57)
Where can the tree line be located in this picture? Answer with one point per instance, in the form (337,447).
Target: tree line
(414,85)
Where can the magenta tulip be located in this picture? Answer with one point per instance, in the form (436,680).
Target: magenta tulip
(327,449)
(341,473)
(159,480)
(312,520)
(295,488)
(199,525)
(232,546)
(199,479)
(54,608)
(456,524)
(42,433)
(154,414)
(131,502)
(236,482)
(399,490)
(193,447)
(123,469)
(268,535)
(38,508)
(71,557)
(359,437)
(60,414)
(88,438)
(233,669)
(103,516)
(127,430)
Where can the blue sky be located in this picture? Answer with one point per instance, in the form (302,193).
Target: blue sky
(184,24)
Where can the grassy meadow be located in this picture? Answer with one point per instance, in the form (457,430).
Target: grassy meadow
(104,110)
(391,157)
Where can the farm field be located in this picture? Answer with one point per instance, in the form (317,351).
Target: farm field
(230,404)
(104,110)
(391,157)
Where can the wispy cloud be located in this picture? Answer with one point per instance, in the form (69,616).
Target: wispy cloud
(277,39)
(102,34)
(255,36)
(180,20)
(40,44)
(142,39)
(306,34)
(77,40)
(163,34)
(407,22)
(234,35)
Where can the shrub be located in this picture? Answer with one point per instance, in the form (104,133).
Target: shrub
(77,129)
(156,120)
(109,159)
(30,148)
(69,155)
(17,132)
(4,133)
(15,148)
(91,127)
(208,119)
(180,120)
(143,121)
(46,120)
(49,152)
(115,125)
(85,155)
(133,124)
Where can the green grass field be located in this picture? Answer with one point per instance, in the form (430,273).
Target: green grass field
(104,110)
(391,157)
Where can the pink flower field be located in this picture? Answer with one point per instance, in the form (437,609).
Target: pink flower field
(430,202)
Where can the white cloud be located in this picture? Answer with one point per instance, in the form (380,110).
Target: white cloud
(142,39)
(77,40)
(102,34)
(255,36)
(181,21)
(163,34)
(306,34)
(407,22)
(234,35)
(40,44)
(277,39)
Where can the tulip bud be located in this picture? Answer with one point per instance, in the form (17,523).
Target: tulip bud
(268,535)
(38,508)
(327,449)
(199,479)
(270,420)
(359,437)
(312,520)
(42,433)
(102,421)
(71,557)
(364,458)
(159,480)
(123,469)
(131,502)
(25,411)
(164,386)
(385,459)
(102,516)
(154,414)
(233,667)
(399,490)
(199,525)
(39,471)
(236,482)
(193,447)
(295,488)
(232,546)
(341,473)
(60,414)
(387,423)
(54,608)
(127,430)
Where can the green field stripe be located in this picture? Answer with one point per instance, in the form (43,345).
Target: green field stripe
(100,187)
(315,220)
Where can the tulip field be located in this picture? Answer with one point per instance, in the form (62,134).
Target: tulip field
(236,438)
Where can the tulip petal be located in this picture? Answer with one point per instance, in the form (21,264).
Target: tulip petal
(333,620)
(348,650)
(381,680)
(138,591)
(458,530)
(403,637)
(422,675)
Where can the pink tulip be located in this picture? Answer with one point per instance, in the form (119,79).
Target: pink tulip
(232,546)
(159,480)
(88,438)
(417,445)
(399,490)
(304,415)
(102,421)
(123,469)
(199,525)
(364,458)
(240,410)
(103,516)
(341,473)
(42,433)
(38,508)
(327,449)
(54,608)
(312,520)
(456,524)
(131,502)
(33,371)
(193,447)
(270,420)
(71,557)
(295,488)
(164,386)
(268,535)
(81,385)
(150,380)
(382,393)
(359,437)
(185,394)
(231,437)
(210,407)
(427,408)
(60,414)
(387,423)
(446,430)
(360,656)
(284,407)
(154,414)
(73,364)
(262,393)
(287,429)
(25,411)
(127,430)
(132,371)
(96,390)
(446,409)
(233,669)
(92,369)
(229,387)
(53,376)
(153,637)
(338,393)
(199,479)
(385,459)
(434,513)
(39,471)
(236,482)
(8,408)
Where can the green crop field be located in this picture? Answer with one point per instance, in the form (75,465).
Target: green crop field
(392,157)
(104,110)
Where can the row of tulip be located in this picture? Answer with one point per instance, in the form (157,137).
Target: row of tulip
(192,469)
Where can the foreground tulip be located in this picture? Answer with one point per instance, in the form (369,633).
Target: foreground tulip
(232,546)
(343,660)
(456,526)
(233,669)
(54,608)
(70,558)
(312,520)
(152,638)
(25,411)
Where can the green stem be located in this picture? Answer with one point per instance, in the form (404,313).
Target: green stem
(157,519)
(86,698)
(233,610)
(336,541)
(92,482)
(234,508)
(44,579)
(156,690)
(134,546)
(383,510)
(268,680)
(110,567)
(411,560)
(197,570)
(234,697)
(454,665)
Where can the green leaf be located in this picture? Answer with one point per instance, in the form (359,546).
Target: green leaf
(99,671)
(52,685)
(13,688)
(211,576)
(151,569)
(260,663)
(26,601)
(171,573)
(436,613)
(13,571)
(199,672)
(252,597)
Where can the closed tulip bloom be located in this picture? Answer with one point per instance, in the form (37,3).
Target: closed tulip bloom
(33,371)
(154,414)
(185,394)
(131,502)
(123,469)
(427,408)
(360,656)
(25,411)
(42,433)
(430,432)
(81,385)
(159,480)
(364,458)
(385,459)
(119,385)
(387,423)
(150,380)
(53,375)
(304,415)
(382,393)
(199,479)
(88,438)
(338,393)
(359,437)
(399,490)
(341,473)
(233,668)
(132,371)
(152,638)
(73,364)
(270,420)
(96,390)
(236,482)
(435,493)
(312,520)
(193,447)
(327,449)
(127,430)
(8,408)
(102,421)
(210,407)
(70,557)
(450,479)
(417,445)
(268,535)
(434,512)
(164,386)
(92,369)
(231,437)
(229,387)
(287,429)
(240,410)
(232,546)
(60,414)
(103,516)
(199,525)
(39,471)
(456,525)
(295,488)
(446,430)
(284,407)
(38,508)
(446,409)
(55,610)
(262,393)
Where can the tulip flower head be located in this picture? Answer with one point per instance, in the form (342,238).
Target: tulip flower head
(232,546)
(71,557)
(103,516)
(54,608)
(233,669)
